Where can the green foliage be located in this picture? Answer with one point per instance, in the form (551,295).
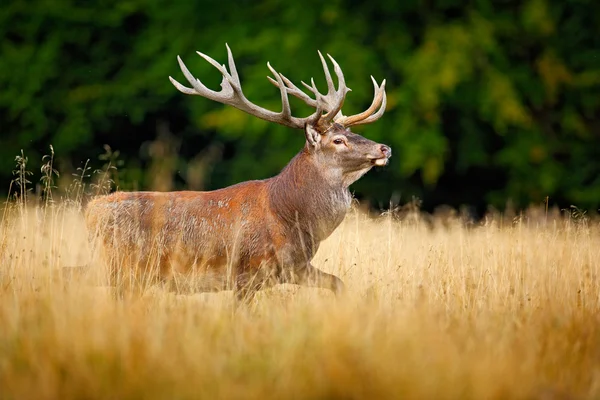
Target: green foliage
(486,98)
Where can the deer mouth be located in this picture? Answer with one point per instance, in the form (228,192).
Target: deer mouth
(380,162)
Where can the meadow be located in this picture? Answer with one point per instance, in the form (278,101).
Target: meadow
(506,308)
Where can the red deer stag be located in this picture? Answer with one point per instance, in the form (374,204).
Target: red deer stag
(253,234)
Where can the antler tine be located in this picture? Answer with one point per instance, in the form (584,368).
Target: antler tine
(369,115)
(218,66)
(232,68)
(335,98)
(294,90)
(330,85)
(378,114)
(338,71)
(198,87)
(285,101)
(312,88)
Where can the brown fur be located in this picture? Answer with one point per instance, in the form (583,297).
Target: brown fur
(246,236)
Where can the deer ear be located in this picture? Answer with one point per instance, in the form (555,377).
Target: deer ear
(313,137)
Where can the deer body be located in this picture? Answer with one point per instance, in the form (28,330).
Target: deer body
(249,235)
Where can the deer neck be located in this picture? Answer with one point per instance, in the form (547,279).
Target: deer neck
(309,199)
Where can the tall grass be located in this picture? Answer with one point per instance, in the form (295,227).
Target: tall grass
(433,311)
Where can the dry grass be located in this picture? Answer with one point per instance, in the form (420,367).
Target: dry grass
(488,312)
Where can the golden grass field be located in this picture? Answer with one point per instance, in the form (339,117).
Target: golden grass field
(506,309)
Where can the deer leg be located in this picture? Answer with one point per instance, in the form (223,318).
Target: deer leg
(122,280)
(248,283)
(180,284)
(115,282)
(244,288)
(244,293)
(310,276)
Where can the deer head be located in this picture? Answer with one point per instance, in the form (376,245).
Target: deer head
(343,156)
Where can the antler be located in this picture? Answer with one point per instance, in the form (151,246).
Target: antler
(369,115)
(332,102)
(231,93)
(334,99)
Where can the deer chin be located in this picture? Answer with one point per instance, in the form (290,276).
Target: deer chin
(350,177)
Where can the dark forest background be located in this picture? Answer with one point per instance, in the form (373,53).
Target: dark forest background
(489,102)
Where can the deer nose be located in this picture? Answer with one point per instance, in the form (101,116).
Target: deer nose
(386,150)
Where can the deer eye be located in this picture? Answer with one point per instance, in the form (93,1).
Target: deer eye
(338,141)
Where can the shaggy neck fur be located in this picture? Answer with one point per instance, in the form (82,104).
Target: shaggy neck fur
(309,199)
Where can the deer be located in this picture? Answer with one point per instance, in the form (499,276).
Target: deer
(254,234)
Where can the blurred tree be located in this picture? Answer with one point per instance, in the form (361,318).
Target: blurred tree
(487,100)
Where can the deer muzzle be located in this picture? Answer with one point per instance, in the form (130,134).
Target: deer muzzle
(385,152)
